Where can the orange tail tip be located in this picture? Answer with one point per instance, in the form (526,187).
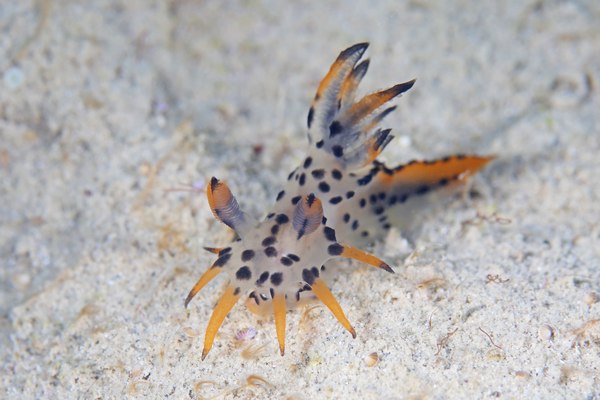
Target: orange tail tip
(225,304)
(323,293)
(208,276)
(279,311)
(357,254)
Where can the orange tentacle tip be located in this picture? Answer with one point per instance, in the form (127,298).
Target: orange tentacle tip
(367,258)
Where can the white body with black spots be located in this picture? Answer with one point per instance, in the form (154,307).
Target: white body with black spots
(338,198)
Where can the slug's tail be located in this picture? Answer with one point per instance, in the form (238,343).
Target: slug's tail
(342,127)
(399,196)
(419,177)
(416,185)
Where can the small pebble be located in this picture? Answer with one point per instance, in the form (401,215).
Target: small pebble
(372,359)
(523,374)
(190,332)
(545,332)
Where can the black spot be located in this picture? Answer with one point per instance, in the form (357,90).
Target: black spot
(379,210)
(364,180)
(271,251)
(383,218)
(336,199)
(346,217)
(337,150)
(381,195)
(286,261)
(364,234)
(280,195)
(243,273)
(247,255)
(296,199)
(350,194)
(269,240)
(214,182)
(324,220)
(276,278)
(403,198)
(324,187)
(335,249)
(392,200)
(335,128)
(274,229)
(291,175)
(355,225)
(310,200)
(318,173)
(253,296)
(320,144)
(311,114)
(294,257)
(386,226)
(337,175)
(236,291)
(315,271)
(422,190)
(282,219)
(222,260)
(460,156)
(373,199)
(302,179)
(298,295)
(362,203)
(263,278)
(329,234)
(224,251)
(272,291)
(445,159)
(308,276)
(307,162)
(443,182)
(322,268)
(270,215)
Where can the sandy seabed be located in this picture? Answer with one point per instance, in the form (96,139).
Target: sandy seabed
(105,106)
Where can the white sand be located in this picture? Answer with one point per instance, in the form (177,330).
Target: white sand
(104,106)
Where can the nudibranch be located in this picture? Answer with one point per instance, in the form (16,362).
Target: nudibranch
(340,197)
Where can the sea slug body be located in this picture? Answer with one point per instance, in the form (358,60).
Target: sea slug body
(339,198)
